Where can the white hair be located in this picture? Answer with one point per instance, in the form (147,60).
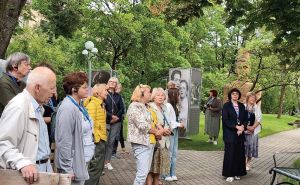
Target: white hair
(157,90)
(39,75)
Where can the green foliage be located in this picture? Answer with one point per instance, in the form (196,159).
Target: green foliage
(58,53)
(279,17)
(61,16)
(142,40)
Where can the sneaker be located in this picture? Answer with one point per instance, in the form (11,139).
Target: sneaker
(103,173)
(169,179)
(237,178)
(215,142)
(229,179)
(109,166)
(174,178)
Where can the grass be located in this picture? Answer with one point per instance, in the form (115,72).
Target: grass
(270,125)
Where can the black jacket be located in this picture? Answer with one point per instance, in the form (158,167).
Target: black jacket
(114,106)
(229,122)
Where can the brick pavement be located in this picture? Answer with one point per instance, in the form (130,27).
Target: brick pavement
(204,167)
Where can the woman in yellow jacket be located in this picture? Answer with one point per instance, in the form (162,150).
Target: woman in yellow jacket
(95,107)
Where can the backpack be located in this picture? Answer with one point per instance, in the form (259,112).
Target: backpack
(53,124)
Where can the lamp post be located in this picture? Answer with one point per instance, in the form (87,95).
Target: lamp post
(89,51)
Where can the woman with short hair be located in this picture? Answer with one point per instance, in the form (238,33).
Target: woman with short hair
(74,130)
(96,109)
(213,109)
(234,119)
(161,157)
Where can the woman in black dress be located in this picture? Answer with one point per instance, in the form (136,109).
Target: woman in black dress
(234,119)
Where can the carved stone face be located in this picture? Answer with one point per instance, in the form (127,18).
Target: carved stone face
(242,70)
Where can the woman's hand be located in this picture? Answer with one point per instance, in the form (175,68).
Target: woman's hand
(250,128)
(239,132)
(167,131)
(240,128)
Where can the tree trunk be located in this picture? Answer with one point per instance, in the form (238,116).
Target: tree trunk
(298,94)
(10,11)
(282,93)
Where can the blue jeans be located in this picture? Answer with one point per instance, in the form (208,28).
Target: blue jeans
(173,151)
(143,155)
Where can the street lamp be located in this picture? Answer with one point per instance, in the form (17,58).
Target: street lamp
(89,50)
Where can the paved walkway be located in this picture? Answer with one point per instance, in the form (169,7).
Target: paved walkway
(204,167)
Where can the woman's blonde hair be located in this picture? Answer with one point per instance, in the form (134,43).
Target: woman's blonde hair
(138,92)
(98,88)
(156,91)
(249,94)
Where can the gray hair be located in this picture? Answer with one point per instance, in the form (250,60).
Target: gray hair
(115,79)
(157,90)
(16,59)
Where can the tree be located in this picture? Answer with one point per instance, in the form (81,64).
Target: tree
(279,17)
(10,11)
(62,17)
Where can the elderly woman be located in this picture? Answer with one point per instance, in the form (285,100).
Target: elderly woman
(96,109)
(161,158)
(234,119)
(139,131)
(251,135)
(74,130)
(213,109)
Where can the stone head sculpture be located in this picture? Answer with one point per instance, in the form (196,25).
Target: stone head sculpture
(242,66)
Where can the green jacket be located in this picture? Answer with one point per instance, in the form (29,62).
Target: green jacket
(8,90)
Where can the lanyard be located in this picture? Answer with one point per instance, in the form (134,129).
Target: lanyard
(50,103)
(165,119)
(82,110)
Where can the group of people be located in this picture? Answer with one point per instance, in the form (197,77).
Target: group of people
(241,125)
(153,132)
(86,127)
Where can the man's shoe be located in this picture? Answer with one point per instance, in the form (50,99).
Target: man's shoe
(229,179)
(215,142)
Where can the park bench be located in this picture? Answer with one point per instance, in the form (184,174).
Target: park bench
(290,172)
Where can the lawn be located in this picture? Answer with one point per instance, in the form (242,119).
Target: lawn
(270,125)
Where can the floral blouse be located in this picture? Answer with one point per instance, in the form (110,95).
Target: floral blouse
(139,123)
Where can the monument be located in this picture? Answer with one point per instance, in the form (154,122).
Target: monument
(242,82)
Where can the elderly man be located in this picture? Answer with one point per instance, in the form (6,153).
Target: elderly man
(24,142)
(11,84)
